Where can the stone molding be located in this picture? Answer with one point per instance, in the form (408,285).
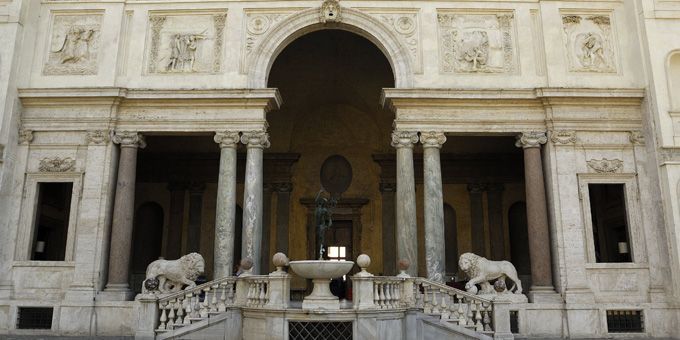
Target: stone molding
(129,139)
(307,21)
(604,165)
(255,139)
(432,139)
(25,136)
(56,164)
(565,137)
(98,137)
(532,139)
(227,139)
(404,139)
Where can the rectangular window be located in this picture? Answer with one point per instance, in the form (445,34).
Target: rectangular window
(625,321)
(34,318)
(51,221)
(610,222)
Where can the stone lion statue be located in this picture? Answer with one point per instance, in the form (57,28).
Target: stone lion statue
(169,276)
(481,271)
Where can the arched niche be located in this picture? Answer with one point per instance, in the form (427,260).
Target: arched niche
(308,21)
(673,74)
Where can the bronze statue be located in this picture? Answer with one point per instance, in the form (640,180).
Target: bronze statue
(323,215)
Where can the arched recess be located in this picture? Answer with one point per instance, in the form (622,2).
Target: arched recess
(673,75)
(147,240)
(451,237)
(308,21)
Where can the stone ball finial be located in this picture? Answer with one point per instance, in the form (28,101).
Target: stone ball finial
(363,261)
(280,260)
(403,266)
(246,263)
(499,286)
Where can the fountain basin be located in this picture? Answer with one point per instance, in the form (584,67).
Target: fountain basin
(321,272)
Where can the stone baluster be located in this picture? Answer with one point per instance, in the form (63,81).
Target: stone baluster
(444,307)
(164,316)
(222,306)
(407,232)
(123,212)
(214,303)
(256,142)
(486,320)
(180,311)
(189,308)
(435,255)
(225,220)
(171,314)
(470,316)
(435,304)
(461,311)
(537,214)
(427,307)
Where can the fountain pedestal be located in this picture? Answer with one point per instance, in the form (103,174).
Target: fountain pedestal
(321,272)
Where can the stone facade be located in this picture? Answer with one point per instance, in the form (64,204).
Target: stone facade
(590,89)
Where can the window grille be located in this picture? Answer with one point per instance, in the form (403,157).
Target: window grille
(35,318)
(625,321)
(320,330)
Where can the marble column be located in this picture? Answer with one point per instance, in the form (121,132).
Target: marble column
(477,231)
(407,232)
(494,204)
(123,212)
(256,142)
(173,246)
(387,191)
(225,220)
(195,211)
(537,212)
(282,215)
(435,253)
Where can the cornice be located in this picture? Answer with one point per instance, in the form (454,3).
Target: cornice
(268,99)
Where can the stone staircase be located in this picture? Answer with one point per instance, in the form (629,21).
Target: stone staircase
(231,307)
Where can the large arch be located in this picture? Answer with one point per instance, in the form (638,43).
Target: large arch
(308,21)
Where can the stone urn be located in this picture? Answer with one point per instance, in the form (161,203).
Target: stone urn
(321,272)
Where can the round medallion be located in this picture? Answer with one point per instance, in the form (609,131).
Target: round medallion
(336,174)
(258,24)
(405,25)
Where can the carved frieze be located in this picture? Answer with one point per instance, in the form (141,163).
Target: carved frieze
(476,43)
(589,42)
(56,164)
(258,22)
(563,137)
(186,43)
(605,165)
(73,45)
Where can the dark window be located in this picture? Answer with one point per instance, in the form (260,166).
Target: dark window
(51,222)
(319,330)
(610,222)
(34,318)
(514,322)
(625,321)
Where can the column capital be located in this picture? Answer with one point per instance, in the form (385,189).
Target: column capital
(255,139)
(129,139)
(432,139)
(531,139)
(404,139)
(227,139)
(476,188)
(282,186)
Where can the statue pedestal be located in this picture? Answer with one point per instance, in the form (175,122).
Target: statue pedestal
(321,296)
(321,272)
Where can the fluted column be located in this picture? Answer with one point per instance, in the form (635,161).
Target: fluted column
(256,142)
(435,254)
(537,212)
(407,232)
(225,220)
(123,213)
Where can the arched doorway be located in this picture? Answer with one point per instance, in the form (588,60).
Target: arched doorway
(331,83)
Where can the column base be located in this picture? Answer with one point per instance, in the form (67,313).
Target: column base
(544,294)
(116,292)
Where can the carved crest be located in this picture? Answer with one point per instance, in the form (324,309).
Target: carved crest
(56,164)
(330,11)
(605,165)
(563,137)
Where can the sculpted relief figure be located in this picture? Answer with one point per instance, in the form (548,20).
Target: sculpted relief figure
(183,52)
(480,271)
(73,46)
(76,45)
(592,50)
(474,49)
(169,276)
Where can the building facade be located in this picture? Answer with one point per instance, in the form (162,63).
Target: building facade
(538,132)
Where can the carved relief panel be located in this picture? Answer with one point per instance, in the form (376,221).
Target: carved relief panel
(589,42)
(405,23)
(73,44)
(477,43)
(185,43)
